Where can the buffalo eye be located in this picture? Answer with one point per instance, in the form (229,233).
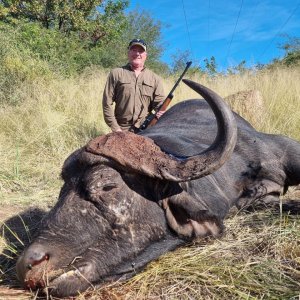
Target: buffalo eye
(109,187)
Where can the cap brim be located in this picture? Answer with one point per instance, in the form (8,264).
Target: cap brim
(138,44)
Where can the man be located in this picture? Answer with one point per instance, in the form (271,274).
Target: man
(131,91)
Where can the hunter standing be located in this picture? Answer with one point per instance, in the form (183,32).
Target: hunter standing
(131,91)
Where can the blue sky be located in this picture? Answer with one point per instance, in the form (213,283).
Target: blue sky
(231,30)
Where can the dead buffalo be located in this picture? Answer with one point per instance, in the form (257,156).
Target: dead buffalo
(129,198)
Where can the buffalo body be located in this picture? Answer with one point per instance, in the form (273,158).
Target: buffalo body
(129,198)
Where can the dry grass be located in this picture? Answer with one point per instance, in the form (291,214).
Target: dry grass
(257,258)
(259,255)
(52,120)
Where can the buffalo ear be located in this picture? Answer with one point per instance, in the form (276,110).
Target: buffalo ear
(189,219)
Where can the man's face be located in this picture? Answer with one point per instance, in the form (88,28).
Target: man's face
(137,55)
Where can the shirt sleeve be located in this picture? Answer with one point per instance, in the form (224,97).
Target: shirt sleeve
(107,103)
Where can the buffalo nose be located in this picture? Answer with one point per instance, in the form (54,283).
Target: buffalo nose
(35,258)
(31,257)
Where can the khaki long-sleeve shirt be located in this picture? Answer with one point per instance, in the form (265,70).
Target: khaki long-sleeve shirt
(128,99)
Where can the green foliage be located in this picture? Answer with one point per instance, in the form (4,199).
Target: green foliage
(112,22)
(18,64)
(64,15)
(101,39)
(291,58)
(29,52)
(291,45)
(238,69)
(179,61)
(292,51)
(142,25)
(92,21)
(211,66)
(65,54)
(139,25)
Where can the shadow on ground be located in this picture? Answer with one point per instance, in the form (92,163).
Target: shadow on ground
(290,206)
(16,233)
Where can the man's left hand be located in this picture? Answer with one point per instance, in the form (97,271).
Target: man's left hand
(160,113)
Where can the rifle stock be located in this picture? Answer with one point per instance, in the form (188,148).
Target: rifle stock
(151,119)
(162,107)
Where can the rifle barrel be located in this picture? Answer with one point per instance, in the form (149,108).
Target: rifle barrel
(188,64)
(151,118)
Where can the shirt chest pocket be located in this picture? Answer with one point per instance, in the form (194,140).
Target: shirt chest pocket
(148,88)
(124,89)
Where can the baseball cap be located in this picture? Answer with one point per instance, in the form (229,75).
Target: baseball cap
(139,42)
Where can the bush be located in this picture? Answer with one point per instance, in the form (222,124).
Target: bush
(18,65)
(29,52)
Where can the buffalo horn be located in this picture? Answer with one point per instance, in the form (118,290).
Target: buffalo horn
(140,154)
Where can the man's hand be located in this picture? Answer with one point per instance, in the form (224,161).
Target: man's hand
(117,130)
(160,113)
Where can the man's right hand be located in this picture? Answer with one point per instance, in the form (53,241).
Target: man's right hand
(160,113)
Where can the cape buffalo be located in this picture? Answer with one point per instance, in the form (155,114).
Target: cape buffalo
(129,198)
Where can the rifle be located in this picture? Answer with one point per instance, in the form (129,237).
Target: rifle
(151,119)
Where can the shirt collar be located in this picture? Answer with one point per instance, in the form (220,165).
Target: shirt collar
(128,66)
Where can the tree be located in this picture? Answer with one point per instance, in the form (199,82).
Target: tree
(93,19)
(179,61)
(238,69)
(292,51)
(139,24)
(211,66)
(142,25)
(291,47)
(71,35)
